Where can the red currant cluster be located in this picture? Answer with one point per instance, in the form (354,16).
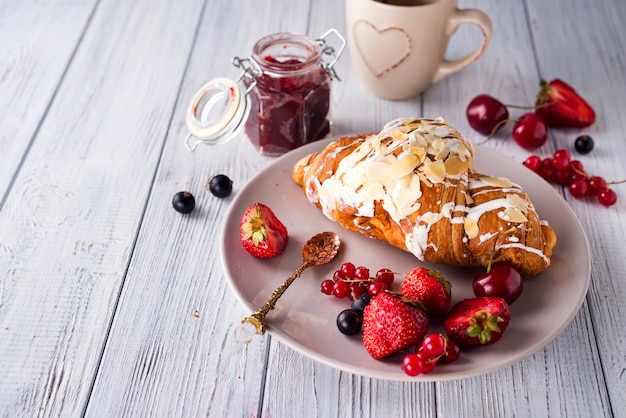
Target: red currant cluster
(561,169)
(435,349)
(351,282)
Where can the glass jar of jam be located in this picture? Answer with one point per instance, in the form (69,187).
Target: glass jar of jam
(281,99)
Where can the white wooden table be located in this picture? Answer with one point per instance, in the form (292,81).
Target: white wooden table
(112,304)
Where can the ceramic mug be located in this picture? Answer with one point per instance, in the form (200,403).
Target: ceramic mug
(398,46)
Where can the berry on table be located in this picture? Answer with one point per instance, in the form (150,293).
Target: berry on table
(220,185)
(607,197)
(485,114)
(530,131)
(583,144)
(360,302)
(183,202)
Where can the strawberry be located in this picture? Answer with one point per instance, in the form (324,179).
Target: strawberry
(561,106)
(477,321)
(391,325)
(430,288)
(261,233)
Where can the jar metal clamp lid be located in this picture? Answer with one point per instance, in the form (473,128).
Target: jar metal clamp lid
(218,110)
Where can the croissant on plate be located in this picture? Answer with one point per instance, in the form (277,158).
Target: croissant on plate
(413,185)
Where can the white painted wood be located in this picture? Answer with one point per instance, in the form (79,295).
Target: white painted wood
(112,304)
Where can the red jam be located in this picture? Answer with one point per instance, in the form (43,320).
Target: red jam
(291,99)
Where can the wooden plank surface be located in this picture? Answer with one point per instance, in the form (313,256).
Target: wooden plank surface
(112,304)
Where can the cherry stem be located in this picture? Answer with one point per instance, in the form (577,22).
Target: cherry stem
(495,242)
(495,129)
(539,106)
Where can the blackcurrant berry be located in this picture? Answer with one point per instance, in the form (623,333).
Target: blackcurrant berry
(583,144)
(349,321)
(361,302)
(220,185)
(183,202)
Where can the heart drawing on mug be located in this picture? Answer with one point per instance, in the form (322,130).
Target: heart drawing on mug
(382,50)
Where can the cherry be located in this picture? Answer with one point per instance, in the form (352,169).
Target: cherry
(183,202)
(530,131)
(486,113)
(500,280)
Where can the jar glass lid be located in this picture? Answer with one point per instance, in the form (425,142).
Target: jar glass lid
(216,113)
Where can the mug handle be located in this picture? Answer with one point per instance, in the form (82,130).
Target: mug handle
(465,16)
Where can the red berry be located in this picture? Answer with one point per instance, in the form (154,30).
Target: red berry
(362,273)
(348,270)
(412,365)
(375,288)
(428,362)
(434,344)
(595,184)
(327,287)
(562,153)
(560,163)
(386,276)
(530,131)
(577,166)
(451,354)
(607,197)
(578,188)
(356,290)
(341,289)
(485,113)
(533,162)
(546,170)
(562,177)
(338,275)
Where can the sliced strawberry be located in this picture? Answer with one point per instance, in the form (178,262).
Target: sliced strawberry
(561,106)
(261,233)
(391,325)
(477,321)
(430,288)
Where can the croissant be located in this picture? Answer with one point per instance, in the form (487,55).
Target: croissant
(413,185)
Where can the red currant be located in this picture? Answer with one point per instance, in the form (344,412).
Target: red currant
(433,344)
(530,131)
(595,184)
(560,163)
(375,288)
(485,113)
(533,162)
(428,362)
(386,276)
(356,290)
(348,270)
(412,365)
(341,289)
(452,353)
(546,170)
(578,188)
(327,287)
(362,273)
(607,197)
(562,153)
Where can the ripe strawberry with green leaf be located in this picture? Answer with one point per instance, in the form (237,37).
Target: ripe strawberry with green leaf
(559,105)
(477,321)
(262,234)
(428,287)
(390,325)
